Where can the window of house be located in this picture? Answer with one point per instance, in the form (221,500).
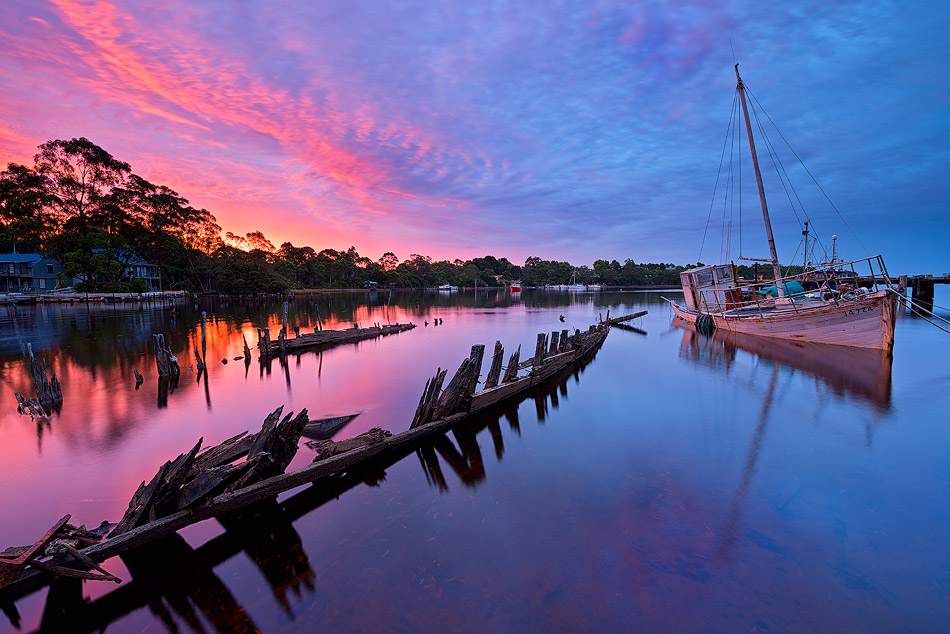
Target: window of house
(49,268)
(42,282)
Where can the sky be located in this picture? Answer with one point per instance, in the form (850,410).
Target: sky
(564,129)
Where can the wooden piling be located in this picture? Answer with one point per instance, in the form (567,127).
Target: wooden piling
(247,349)
(554,340)
(138,377)
(165,361)
(199,362)
(495,371)
(48,390)
(511,372)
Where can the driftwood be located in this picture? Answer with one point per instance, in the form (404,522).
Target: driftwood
(326,338)
(199,362)
(247,350)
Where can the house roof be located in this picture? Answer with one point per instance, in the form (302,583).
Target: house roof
(32,258)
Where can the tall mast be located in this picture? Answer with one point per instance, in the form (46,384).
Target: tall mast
(758,179)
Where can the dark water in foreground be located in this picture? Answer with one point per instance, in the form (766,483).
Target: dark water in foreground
(676,483)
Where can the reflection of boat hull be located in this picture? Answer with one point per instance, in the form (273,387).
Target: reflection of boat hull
(864,322)
(861,372)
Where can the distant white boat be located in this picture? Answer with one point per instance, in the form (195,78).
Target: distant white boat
(448,287)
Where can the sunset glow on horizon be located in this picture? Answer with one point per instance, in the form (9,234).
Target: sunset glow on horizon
(573,131)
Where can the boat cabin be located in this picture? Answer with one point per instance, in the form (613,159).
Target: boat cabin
(712,288)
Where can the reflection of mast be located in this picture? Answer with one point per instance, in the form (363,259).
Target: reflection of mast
(748,470)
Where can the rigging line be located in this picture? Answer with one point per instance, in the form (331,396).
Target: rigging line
(914,309)
(776,162)
(817,184)
(718,174)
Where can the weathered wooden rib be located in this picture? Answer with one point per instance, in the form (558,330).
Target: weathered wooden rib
(332,458)
(326,338)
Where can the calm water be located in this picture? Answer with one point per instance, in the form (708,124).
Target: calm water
(676,483)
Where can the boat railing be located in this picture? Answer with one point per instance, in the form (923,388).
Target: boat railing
(830,280)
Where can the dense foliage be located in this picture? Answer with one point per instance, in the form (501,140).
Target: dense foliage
(85,208)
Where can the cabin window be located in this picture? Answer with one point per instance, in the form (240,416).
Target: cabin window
(704,278)
(724,274)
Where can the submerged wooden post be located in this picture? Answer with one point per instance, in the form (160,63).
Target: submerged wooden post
(495,371)
(247,350)
(138,377)
(48,391)
(199,362)
(286,308)
(204,318)
(282,342)
(165,361)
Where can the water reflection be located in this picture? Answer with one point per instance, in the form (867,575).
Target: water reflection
(861,373)
(177,583)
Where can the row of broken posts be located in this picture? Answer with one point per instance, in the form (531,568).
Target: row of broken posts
(264,340)
(457,396)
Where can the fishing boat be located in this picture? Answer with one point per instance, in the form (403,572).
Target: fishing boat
(516,287)
(823,305)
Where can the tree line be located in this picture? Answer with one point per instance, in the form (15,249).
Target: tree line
(89,210)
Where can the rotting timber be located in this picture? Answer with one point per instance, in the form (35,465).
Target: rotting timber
(321,339)
(249,468)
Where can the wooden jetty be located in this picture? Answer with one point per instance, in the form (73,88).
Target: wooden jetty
(249,468)
(324,338)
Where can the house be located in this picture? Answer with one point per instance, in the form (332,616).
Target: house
(133,266)
(30,273)
(138,268)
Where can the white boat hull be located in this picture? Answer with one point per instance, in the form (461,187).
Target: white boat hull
(864,322)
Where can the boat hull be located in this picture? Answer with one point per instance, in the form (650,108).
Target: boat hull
(864,322)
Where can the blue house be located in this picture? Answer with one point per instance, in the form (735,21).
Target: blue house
(30,273)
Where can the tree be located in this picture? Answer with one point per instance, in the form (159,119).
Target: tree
(80,176)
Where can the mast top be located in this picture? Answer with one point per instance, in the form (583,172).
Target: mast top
(738,79)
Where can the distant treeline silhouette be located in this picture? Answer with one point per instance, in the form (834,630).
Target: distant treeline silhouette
(87,209)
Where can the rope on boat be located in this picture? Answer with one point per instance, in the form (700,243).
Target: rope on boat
(916,308)
(705,324)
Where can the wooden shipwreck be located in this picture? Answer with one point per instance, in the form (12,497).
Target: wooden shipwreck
(250,468)
(321,339)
